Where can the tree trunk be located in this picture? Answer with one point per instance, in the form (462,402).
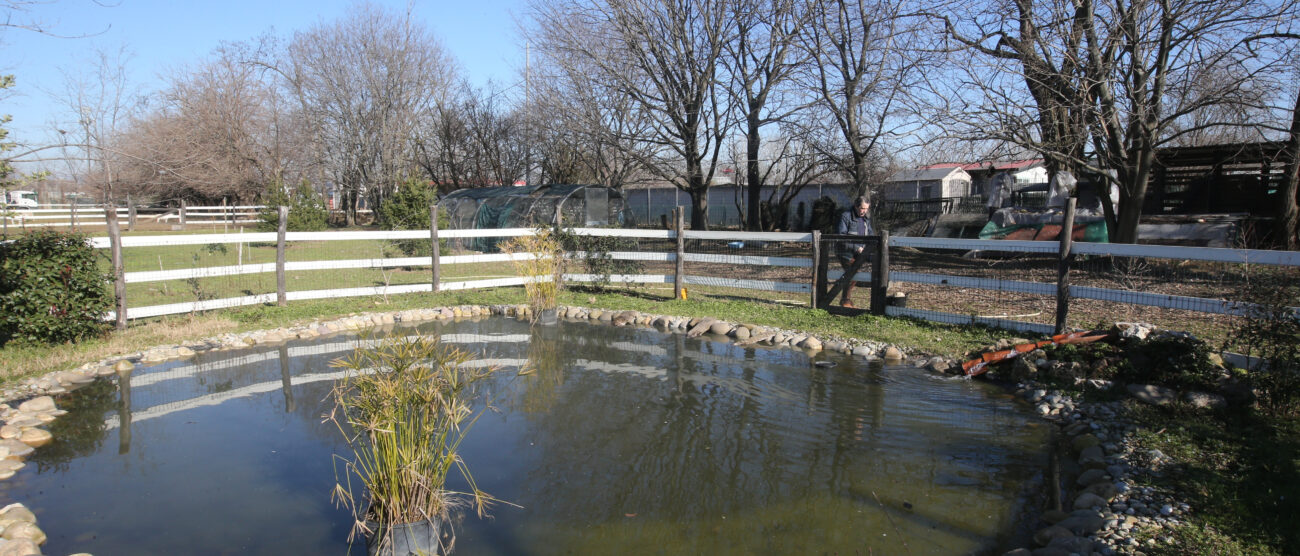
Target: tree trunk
(699,208)
(1288,227)
(753,178)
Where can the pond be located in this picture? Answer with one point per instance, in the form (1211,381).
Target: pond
(623,440)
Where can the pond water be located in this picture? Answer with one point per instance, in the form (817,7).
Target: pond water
(623,440)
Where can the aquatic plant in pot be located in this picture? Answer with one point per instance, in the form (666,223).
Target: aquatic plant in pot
(404,406)
(539,259)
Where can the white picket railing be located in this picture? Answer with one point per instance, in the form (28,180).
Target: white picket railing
(1213,306)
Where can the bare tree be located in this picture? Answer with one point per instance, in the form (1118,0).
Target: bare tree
(363,82)
(1114,80)
(664,56)
(585,129)
(761,61)
(100,104)
(865,61)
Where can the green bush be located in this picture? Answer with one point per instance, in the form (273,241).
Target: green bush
(596,258)
(307,212)
(51,289)
(1270,330)
(408,209)
(1172,360)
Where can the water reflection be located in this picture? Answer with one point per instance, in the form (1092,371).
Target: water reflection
(611,439)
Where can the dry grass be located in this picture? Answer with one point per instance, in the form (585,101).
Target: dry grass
(23,361)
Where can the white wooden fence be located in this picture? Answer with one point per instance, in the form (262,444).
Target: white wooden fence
(1206,305)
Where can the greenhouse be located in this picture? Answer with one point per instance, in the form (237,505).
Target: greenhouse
(532,206)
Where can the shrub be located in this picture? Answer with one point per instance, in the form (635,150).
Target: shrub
(408,209)
(1270,330)
(596,258)
(51,289)
(1173,360)
(307,212)
(539,258)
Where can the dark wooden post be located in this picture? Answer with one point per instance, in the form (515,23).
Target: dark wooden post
(679,269)
(437,252)
(115,255)
(823,270)
(182,213)
(281,297)
(817,278)
(1065,257)
(880,275)
(130,214)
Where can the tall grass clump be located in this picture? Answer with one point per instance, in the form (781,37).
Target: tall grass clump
(404,407)
(539,259)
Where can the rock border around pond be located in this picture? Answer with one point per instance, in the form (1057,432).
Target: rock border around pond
(1105,511)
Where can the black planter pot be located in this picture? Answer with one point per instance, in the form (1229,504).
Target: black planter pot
(406,539)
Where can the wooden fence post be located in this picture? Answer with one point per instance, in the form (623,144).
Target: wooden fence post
(130,214)
(1065,258)
(182,213)
(437,251)
(880,275)
(281,297)
(817,278)
(74,214)
(679,270)
(115,255)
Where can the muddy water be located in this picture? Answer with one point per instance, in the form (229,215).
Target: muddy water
(620,441)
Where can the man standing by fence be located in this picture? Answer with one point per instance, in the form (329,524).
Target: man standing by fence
(852,255)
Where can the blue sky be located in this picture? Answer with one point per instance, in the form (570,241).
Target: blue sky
(163,35)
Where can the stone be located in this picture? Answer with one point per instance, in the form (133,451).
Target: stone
(12,448)
(720,328)
(1203,400)
(37,405)
(1092,457)
(1052,551)
(10,466)
(1091,476)
(1089,500)
(699,327)
(741,333)
(811,342)
(1083,442)
(10,431)
(1021,368)
(1083,525)
(17,512)
(1105,489)
(1054,516)
(1152,394)
(893,353)
(1075,545)
(937,364)
(21,547)
(24,530)
(1134,330)
(1018,552)
(1045,536)
(184,352)
(833,346)
(863,351)
(36,437)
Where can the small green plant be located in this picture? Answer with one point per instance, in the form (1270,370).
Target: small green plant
(51,289)
(307,212)
(404,407)
(597,259)
(539,259)
(1174,360)
(408,209)
(1270,330)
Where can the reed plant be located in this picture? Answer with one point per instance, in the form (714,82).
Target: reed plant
(539,259)
(404,406)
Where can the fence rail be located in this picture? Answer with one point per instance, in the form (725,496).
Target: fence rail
(941,275)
